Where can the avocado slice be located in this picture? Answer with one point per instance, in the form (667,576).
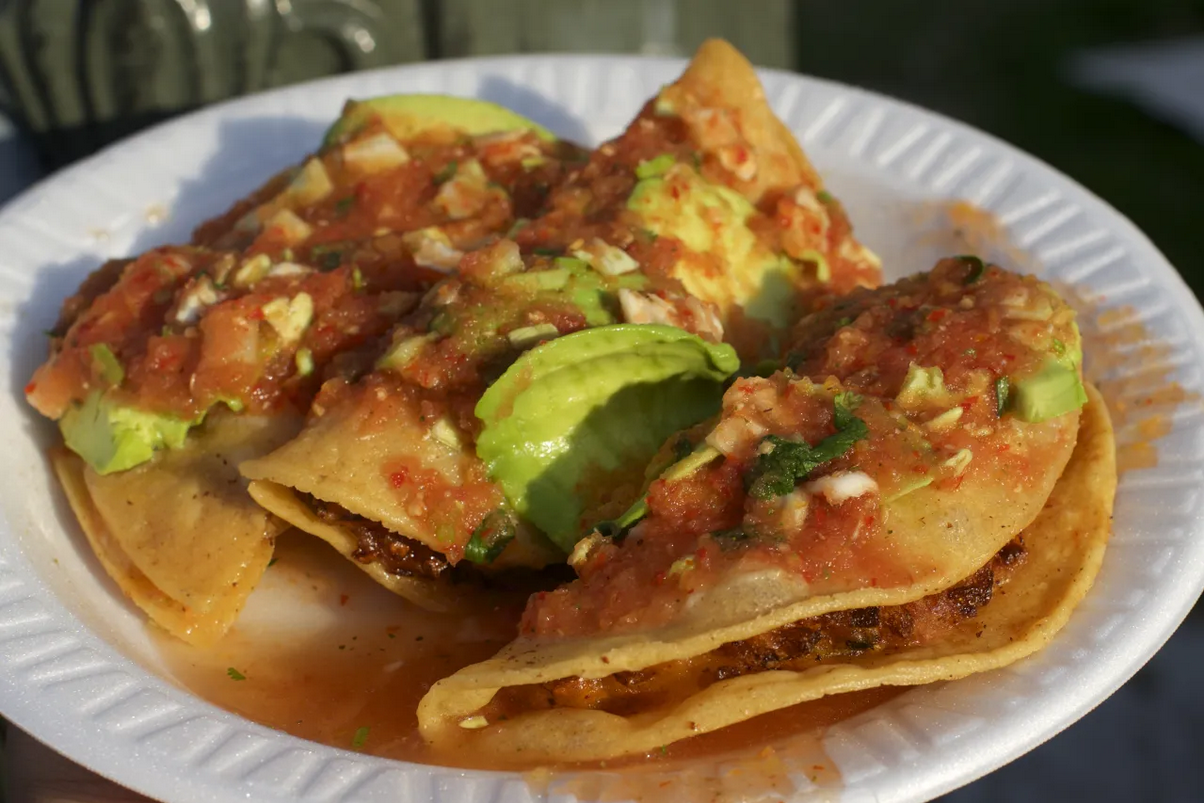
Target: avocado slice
(410,115)
(1052,391)
(711,218)
(594,404)
(112,437)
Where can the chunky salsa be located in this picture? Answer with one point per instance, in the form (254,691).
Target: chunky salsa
(891,391)
(309,268)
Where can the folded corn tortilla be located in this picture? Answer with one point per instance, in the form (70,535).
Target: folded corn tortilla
(1065,545)
(179,535)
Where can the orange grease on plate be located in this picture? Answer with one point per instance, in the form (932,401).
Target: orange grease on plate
(325,654)
(770,757)
(960,227)
(1132,371)
(1129,366)
(358,658)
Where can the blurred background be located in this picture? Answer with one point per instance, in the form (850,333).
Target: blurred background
(1110,92)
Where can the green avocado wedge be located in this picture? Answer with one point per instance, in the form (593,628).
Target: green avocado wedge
(676,201)
(410,115)
(591,409)
(111,437)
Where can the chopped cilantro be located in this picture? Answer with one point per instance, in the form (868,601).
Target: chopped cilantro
(682,448)
(1002,388)
(796,358)
(616,530)
(272,562)
(343,206)
(330,260)
(235,674)
(731,538)
(651,168)
(610,530)
(360,737)
(547,252)
(787,462)
(649,235)
(975,268)
(824,197)
(490,537)
(444,323)
(518,226)
(446,173)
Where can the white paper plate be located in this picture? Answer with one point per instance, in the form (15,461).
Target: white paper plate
(76,667)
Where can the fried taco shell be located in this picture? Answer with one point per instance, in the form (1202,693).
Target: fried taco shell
(179,535)
(1063,549)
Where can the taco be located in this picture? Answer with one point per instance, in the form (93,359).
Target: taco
(157,362)
(918,495)
(702,223)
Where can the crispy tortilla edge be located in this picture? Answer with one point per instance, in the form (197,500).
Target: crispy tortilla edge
(284,502)
(164,611)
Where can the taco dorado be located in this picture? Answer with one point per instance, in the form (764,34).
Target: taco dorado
(845,523)
(703,217)
(168,370)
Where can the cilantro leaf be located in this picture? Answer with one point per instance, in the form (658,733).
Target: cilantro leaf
(786,462)
(361,736)
(235,674)
(730,539)
(490,537)
(974,266)
(681,449)
(446,173)
(1002,390)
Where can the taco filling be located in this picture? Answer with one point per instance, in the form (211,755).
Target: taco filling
(829,638)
